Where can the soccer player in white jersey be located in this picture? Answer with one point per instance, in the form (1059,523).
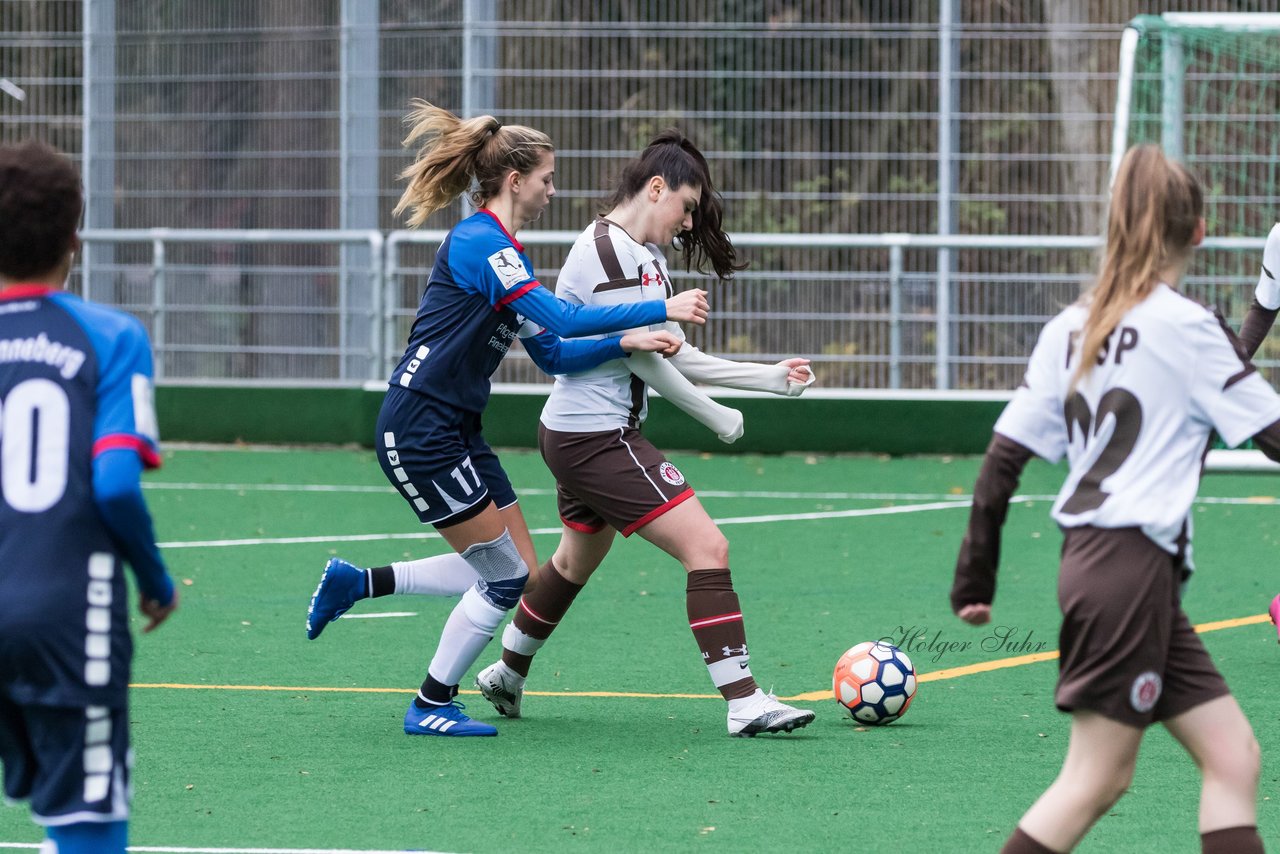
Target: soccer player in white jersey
(1127,384)
(481,295)
(609,477)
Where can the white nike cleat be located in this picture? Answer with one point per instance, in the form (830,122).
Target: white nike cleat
(503,687)
(763,713)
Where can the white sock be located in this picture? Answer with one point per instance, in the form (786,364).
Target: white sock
(468,630)
(441,575)
(509,676)
(742,702)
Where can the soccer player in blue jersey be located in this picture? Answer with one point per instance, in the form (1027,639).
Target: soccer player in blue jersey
(77,426)
(481,295)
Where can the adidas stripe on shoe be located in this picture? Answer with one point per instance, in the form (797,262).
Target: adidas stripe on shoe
(443,720)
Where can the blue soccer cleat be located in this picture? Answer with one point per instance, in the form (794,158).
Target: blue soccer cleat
(443,720)
(340,587)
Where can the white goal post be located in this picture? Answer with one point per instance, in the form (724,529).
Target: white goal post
(1206,88)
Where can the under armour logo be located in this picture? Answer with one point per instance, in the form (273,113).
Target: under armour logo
(735,650)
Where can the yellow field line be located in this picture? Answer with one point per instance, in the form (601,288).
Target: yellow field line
(932,676)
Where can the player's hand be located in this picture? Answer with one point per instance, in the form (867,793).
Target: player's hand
(689,306)
(975,614)
(154,611)
(661,342)
(801,373)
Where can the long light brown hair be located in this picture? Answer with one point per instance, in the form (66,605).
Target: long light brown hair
(1156,205)
(453,152)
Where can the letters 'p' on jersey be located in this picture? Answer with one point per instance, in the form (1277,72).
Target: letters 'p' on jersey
(606,266)
(75,382)
(1135,429)
(465,323)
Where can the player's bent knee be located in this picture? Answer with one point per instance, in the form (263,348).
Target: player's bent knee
(704,552)
(502,571)
(720,549)
(1239,760)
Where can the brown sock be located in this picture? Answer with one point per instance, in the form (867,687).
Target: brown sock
(1231,840)
(1021,843)
(716,621)
(537,615)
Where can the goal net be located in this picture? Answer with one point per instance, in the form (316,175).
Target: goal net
(1206,87)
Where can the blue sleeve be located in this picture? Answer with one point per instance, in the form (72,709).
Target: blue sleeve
(117,490)
(126,416)
(568,320)
(557,356)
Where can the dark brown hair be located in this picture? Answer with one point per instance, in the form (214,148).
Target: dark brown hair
(40,206)
(678,161)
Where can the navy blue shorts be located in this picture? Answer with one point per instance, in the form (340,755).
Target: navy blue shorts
(73,765)
(436,457)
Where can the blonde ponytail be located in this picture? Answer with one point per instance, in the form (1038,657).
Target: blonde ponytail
(454,152)
(1156,205)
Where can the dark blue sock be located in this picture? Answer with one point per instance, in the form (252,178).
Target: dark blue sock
(90,837)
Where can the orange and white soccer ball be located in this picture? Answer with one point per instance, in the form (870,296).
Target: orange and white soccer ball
(875,681)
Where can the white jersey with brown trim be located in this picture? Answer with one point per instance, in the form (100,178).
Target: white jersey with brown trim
(1134,430)
(606,266)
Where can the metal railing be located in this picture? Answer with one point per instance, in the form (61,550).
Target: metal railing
(260,307)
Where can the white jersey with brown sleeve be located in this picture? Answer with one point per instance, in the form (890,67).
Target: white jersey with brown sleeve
(1135,428)
(607,267)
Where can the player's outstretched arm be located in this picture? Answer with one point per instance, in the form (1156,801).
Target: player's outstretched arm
(571,320)
(974,587)
(555,355)
(789,377)
(659,375)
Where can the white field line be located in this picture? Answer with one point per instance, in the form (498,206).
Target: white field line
(952,502)
(433,535)
(707,493)
(32,846)
(350,616)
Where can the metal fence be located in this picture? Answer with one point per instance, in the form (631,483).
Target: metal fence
(824,122)
(288,306)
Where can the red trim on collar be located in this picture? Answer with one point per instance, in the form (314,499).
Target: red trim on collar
(26,291)
(510,236)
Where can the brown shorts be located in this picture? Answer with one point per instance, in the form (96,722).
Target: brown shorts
(1128,651)
(612,478)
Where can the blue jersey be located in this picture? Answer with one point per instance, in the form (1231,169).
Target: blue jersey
(482,293)
(75,385)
